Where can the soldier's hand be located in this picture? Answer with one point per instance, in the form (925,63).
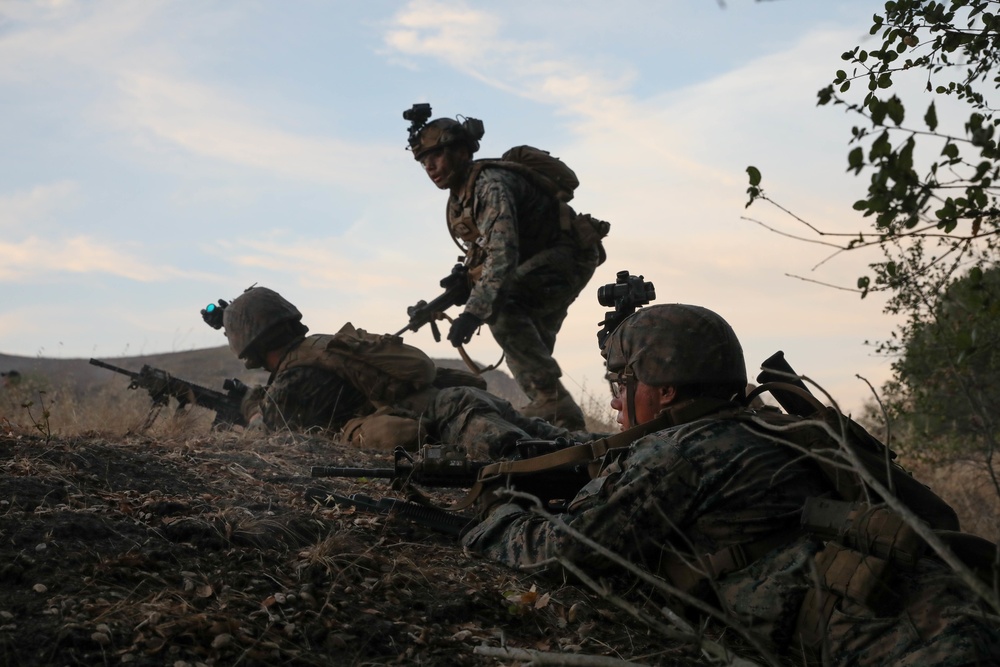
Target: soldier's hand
(462,329)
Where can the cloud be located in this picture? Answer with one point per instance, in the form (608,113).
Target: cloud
(27,260)
(201,120)
(66,40)
(28,209)
(471,42)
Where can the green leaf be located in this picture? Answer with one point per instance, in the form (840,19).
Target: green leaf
(856,159)
(754,175)
(895,110)
(931,117)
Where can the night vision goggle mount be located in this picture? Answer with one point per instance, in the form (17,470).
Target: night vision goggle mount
(420,113)
(212,313)
(627,293)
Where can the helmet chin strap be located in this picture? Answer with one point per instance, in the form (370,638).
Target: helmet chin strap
(630,385)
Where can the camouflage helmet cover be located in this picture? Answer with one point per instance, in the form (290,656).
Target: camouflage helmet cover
(676,344)
(253,314)
(439,133)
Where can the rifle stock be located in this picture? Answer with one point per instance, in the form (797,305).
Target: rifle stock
(162,386)
(776,369)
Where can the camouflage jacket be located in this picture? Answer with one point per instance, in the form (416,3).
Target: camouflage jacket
(303,398)
(514,221)
(716,483)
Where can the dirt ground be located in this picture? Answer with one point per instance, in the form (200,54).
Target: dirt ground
(206,551)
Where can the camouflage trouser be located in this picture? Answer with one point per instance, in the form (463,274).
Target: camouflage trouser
(487,425)
(533,311)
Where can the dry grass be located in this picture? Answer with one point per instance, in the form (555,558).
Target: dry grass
(968,487)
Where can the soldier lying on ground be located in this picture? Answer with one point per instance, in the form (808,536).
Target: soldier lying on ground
(712,502)
(380,392)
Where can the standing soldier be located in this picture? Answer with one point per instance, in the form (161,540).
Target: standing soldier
(528,253)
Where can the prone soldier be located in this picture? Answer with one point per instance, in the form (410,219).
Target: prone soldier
(380,392)
(707,496)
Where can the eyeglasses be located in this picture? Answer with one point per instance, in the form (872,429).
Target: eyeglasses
(619,383)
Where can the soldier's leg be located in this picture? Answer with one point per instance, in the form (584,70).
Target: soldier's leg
(485,424)
(527,344)
(527,325)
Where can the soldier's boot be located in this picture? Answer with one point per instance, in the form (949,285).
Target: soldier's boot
(557,407)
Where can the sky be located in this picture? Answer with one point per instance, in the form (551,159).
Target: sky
(160,155)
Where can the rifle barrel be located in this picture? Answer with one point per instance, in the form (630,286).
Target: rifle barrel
(116,369)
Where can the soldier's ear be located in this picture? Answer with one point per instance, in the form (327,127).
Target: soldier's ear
(667,396)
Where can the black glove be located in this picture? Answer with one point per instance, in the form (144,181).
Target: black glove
(462,329)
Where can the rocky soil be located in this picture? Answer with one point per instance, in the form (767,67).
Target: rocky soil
(208,551)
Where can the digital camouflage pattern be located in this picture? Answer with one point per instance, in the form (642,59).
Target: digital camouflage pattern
(310,397)
(304,398)
(714,484)
(531,272)
(656,342)
(487,425)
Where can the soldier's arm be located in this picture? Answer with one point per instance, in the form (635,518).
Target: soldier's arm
(630,510)
(252,407)
(496,219)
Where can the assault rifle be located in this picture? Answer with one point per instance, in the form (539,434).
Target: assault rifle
(162,386)
(442,466)
(456,293)
(448,466)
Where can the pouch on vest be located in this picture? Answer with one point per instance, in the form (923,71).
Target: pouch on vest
(877,531)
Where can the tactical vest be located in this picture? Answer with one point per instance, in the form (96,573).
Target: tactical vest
(383,368)
(558,221)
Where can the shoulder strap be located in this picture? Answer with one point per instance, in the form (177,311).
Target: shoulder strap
(595,452)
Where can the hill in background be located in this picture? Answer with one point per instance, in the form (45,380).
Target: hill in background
(208,367)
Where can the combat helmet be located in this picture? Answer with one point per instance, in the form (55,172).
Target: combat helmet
(676,344)
(258,320)
(442,132)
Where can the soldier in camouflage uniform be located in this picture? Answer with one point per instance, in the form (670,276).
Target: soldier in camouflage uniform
(711,487)
(527,269)
(326,382)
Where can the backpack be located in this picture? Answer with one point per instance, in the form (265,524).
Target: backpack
(382,367)
(550,172)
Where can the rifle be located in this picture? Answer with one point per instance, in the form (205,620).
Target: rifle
(442,466)
(162,386)
(456,292)
(447,466)
(440,520)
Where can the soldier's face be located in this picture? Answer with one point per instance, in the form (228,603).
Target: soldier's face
(648,403)
(445,166)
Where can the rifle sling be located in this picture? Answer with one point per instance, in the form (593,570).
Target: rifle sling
(594,452)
